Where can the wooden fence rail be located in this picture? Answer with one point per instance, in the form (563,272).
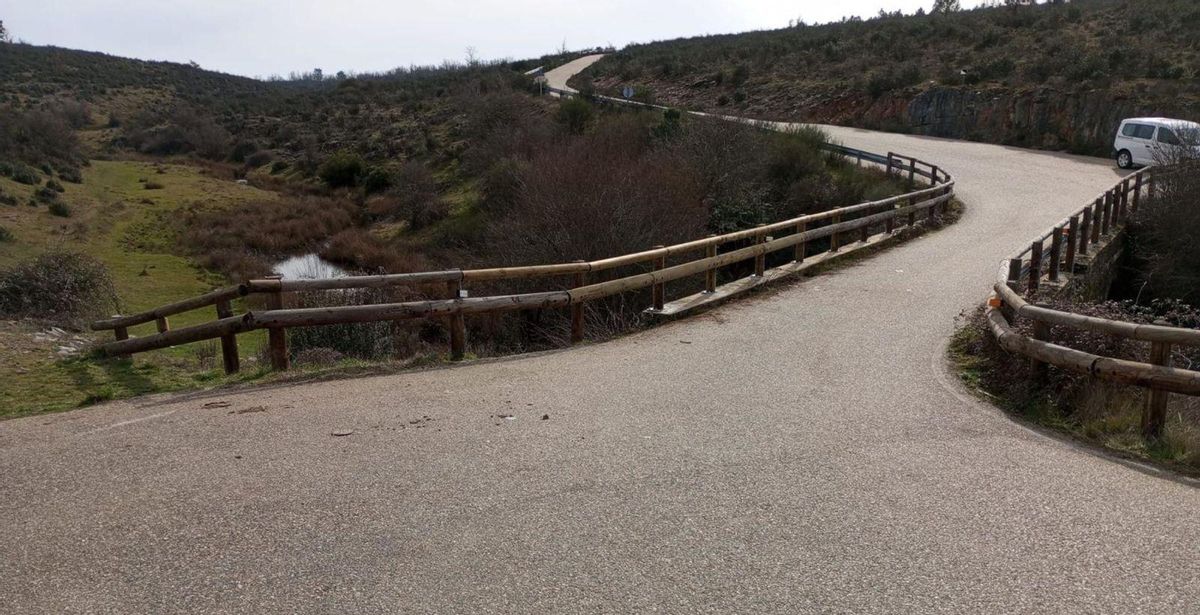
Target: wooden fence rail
(703,256)
(1033,267)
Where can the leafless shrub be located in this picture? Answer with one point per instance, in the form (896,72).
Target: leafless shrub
(63,287)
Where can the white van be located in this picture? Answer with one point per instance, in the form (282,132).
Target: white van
(1144,140)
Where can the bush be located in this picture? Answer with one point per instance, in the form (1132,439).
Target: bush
(5,235)
(45,194)
(65,287)
(60,209)
(341,169)
(55,186)
(152,185)
(414,198)
(8,199)
(576,114)
(71,174)
(376,180)
(1164,252)
(20,173)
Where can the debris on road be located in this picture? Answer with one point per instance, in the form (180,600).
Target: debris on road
(342,432)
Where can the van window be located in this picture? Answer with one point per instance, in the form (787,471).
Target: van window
(1166,135)
(1138,131)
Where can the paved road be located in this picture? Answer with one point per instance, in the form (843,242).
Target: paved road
(804,451)
(557,77)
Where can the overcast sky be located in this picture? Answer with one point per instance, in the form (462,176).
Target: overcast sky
(264,37)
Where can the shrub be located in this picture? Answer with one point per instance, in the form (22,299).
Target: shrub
(575,114)
(20,173)
(376,180)
(66,287)
(359,249)
(258,159)
(45,194)
(370,341)
(5,235)
(278,167)
(8,199)
(341,169)
(71,174)
(60,209)
(152,185)
(414,198)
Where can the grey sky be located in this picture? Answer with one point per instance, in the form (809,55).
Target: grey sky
(262,37)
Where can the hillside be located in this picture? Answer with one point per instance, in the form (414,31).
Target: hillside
(1055,76)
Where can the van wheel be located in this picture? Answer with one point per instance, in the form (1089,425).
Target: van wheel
(1124,159)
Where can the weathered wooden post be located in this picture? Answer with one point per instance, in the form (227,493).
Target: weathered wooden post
(1137,190)
(891,162)
(1106,213)
(800,249)
(1154,415)
(1055,252)
(1035,267)
(1040,369)
(1153,191)
(277,336)
(577,307)
(1097,220)
(1085,231)
(889,226)
(458,322)
(912,173)
(162,324)
(1014,274)
(933,176)
(710,274)
(912,213)
(229,349)
(1072,240)
(833,237)
(658,291)
(121,334)
(864,233)
(760,261)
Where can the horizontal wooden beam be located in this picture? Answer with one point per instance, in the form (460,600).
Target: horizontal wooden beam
(205,300)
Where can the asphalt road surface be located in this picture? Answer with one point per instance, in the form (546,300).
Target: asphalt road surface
(802,451)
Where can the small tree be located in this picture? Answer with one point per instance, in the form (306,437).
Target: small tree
(4,36)
(945,7)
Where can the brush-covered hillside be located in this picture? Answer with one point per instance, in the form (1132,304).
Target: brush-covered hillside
(1056,76)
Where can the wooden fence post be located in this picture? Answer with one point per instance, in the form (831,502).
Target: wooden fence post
(912,214)
(1137,190)
(1055,252)
(800,248)
(912,173)
(162,324)
(1085,231)
(277,336)
(122,334)
(933,179)
(577,308)
(658,291)
(1040,369)
(1154,415)
(760,261)
(1153,191)
(1106,213)
(889,226)
(1072,239)
(458,323)
(1097,218)
(864,233)
(710,274)
(1014,274)
(1035,267)
(833,237)
(891,158)
(229,348)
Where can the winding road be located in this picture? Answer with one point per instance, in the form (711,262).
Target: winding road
(805,450)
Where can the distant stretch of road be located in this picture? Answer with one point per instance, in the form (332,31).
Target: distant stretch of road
(803,451)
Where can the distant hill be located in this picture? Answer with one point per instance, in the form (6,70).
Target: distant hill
(1057,76)
(395,115)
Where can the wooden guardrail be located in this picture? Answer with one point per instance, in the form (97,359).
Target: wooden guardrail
(1028,271)
(796,234)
